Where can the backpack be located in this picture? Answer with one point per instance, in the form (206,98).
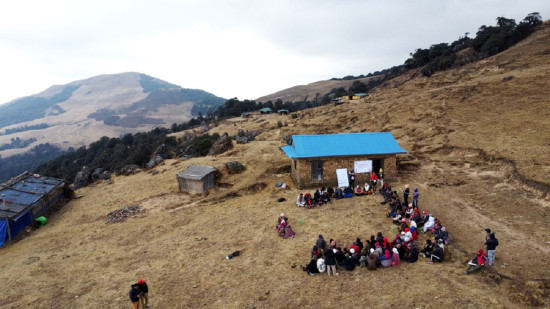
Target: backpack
(321,265)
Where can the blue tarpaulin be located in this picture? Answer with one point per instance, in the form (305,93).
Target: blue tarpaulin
(3,231)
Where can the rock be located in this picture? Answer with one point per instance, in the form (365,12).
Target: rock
(221,145)
(155,172)
(234,167)
(241,139)
(154,161)
(82,178)
(105,175)
(241,133)
(96,174)
(129,169)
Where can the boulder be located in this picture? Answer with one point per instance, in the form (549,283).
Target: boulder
(82,178)
(129,169)
(96,174)
(234,167)
(154,161)
(241,139)
(221,145)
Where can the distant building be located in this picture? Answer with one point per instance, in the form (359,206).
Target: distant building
(25,198)
(196,178)
(358,96)
(315,158)
(265,110)
(282,112)
(246,114)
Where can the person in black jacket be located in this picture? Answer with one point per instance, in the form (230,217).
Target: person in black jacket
(437,255)
(134,296)
(349,263)
(143,293)
(330,261)
(491,244)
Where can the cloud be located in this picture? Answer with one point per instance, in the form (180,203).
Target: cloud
(242,49)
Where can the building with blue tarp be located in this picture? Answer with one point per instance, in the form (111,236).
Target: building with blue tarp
(315,158)
(25,198)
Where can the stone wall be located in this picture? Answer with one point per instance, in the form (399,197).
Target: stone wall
(301,170)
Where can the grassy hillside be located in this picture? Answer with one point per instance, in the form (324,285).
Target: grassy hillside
(479,146)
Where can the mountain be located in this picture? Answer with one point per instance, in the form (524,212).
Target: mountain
(83,111)
(479,144)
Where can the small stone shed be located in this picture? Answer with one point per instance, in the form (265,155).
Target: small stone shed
(315,158)
(196,178)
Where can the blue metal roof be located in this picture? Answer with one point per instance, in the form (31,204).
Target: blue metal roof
(342,144)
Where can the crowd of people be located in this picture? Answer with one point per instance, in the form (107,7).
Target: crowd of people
(324,195)
(381,251)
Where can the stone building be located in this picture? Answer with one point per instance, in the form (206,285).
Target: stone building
(196,178)
(315,158)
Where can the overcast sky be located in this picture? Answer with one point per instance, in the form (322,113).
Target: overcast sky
(243,49)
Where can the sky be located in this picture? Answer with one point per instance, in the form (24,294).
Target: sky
(240,48)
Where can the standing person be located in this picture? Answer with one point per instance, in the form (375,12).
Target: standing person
(134,295)
(374,181)
(330,261)
(352,178)
(381,176)
(406,193)
(143,294)
(488,232)
(491,244)
(415,197)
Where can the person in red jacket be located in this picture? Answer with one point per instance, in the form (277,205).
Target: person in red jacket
(374,181)
(477,263)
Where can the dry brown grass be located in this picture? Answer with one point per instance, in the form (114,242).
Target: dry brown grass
(479,154)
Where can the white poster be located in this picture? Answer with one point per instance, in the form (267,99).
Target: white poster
(342,175)
(363,166)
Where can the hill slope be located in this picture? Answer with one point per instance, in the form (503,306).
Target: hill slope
(479,148)
(81,112)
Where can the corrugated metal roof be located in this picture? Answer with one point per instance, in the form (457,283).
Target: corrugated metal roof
(23,191)
(342,144)
(196,172)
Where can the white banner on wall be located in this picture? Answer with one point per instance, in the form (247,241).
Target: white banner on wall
(342,175)
(363,166)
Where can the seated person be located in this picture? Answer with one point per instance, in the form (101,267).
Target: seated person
(330,192)
(442,235)
(429,225)
(348,263)
(317,197)
(372,260)
(325,198)
(411,255)
(428,248)
(282,218)
(339,193)
(437,255)
(281,229)
(367,188)
(311,268)
(358,191)
(309,200)
(386,259)
(348,192)
(477,262)
(300,200)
